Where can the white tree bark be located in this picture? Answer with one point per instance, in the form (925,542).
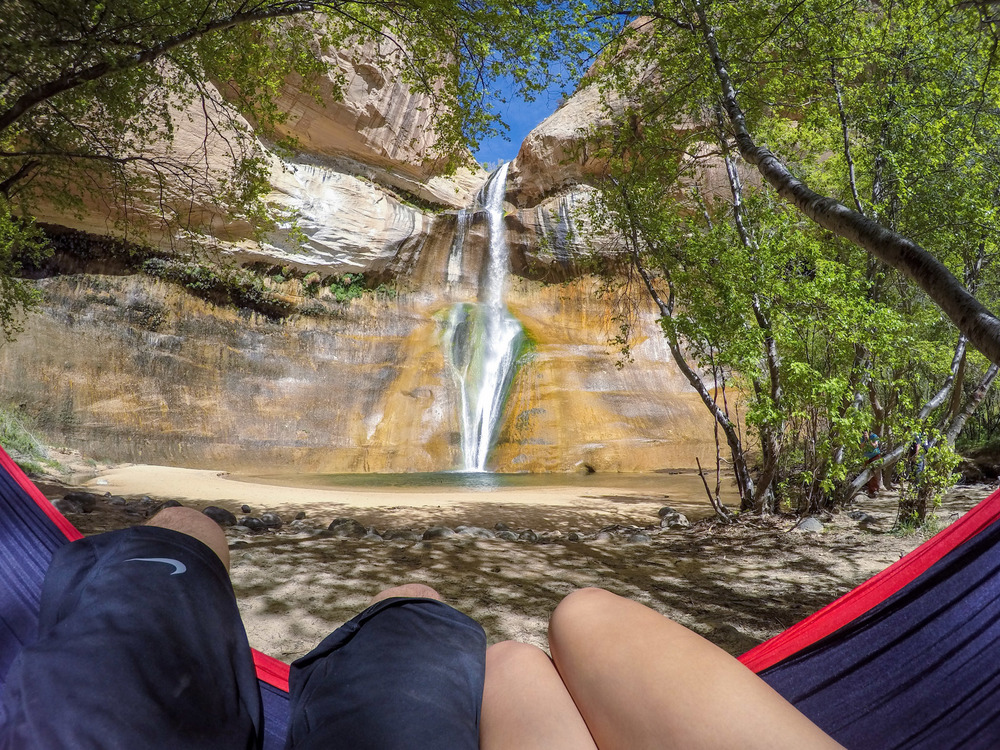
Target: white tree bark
(971,317)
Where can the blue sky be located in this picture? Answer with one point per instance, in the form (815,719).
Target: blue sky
(521,117)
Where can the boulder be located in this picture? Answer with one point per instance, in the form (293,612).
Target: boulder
(407,535)
(66,506)
(271,520)
(438,532)
(674,520)
(475,531)
(254,524)
(347,527)
(809,525)
(220,515)
(86,501)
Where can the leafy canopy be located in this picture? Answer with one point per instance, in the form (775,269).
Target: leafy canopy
(91,91)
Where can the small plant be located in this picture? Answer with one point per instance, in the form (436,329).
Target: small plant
(20,442)
(347,287)
(930,474)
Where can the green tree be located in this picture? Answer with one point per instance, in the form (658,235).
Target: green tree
(886,109)
(87,87)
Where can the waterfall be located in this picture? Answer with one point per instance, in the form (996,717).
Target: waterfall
(483,340)
(458,246)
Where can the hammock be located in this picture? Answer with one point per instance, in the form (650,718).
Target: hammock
(910,658)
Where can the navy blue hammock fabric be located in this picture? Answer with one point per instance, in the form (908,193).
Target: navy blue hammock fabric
(909,659)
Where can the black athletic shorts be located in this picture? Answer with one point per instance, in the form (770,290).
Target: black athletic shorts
(141,646)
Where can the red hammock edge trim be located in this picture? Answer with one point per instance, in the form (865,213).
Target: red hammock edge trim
(270,670)
(876,589)
(61,522)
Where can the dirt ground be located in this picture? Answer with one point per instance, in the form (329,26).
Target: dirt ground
(736,585)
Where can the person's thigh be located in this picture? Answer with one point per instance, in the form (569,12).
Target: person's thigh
(406,673)
(140,645)
(644,682)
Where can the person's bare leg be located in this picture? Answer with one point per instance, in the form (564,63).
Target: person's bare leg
(525,704)
(419,590)
(194,523)
(641,680)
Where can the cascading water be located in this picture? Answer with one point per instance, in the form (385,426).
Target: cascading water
(458,246)
(483,340)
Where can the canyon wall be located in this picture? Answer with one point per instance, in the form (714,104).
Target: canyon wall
(130,368)
(126,366)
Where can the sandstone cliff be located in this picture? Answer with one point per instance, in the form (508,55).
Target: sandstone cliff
(132,366)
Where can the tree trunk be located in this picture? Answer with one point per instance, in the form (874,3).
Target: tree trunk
(970,316)
(955,428)
(770,435)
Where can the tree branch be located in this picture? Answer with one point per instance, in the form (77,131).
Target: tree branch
(74,78)
(971,317)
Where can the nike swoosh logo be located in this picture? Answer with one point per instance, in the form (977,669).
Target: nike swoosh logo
(178,566)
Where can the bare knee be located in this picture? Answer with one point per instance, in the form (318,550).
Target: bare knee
(582,609)
(196,524)
(418,590)
(512,657)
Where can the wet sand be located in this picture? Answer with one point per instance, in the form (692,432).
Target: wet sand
(736,585)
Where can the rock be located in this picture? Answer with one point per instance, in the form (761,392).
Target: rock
(575,536)
(408,535)
(245,509)
(271,520)
(66,506)
(809,525)
(86,501)
(372,536)
(102,482)
(347,527)
(220,515)
(438,532)
(254,524)
(603,536)
(862,518)
(501,526)
(508,536)
(172,504)
(300,515)
(528,536)
(674,520)
(136,508)
(639,539)
(239,544)
(475,531)
(116,500)
(557,154)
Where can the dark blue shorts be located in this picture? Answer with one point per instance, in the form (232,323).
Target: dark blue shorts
(140,645)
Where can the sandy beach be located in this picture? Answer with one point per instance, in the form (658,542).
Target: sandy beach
(736,585)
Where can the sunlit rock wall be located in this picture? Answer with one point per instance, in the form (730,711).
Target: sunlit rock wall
(129,368)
